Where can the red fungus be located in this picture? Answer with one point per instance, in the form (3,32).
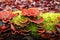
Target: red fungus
(30,12)
(37,21)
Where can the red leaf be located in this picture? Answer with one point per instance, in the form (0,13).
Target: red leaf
(13,28)
(45,35)
(57,25)
(59,18)
(3,27)
(41,31)
(36,0)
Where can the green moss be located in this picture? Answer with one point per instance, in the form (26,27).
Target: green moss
(49,26)
(19,19)
(49,20)
(32,27)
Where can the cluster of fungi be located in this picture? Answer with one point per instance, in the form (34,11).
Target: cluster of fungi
(21,20)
